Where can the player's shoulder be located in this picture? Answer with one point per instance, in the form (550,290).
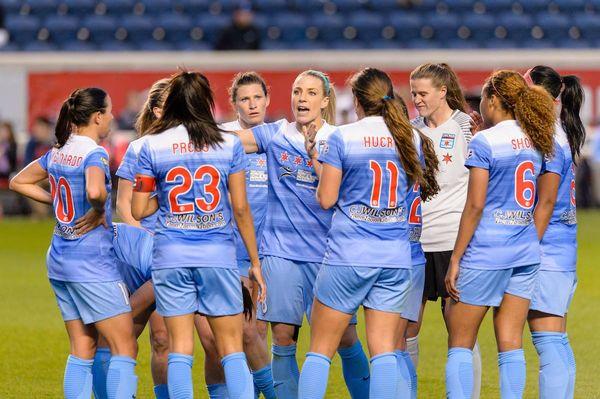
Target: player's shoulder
(136,145)
(418,122)
(179,133)
(230,126)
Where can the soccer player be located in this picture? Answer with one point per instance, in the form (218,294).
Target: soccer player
(134,251)
(294,235)
(437,95)
(496,257)
(557,277)
(193,166)
(365,170)
(81,260)
(249,98)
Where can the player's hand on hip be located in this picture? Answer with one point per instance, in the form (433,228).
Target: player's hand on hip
(451,278)
(255,274)
(90,221)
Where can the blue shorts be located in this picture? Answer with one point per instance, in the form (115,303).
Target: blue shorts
(243,267)
(211,291)
(554,292)
(91,302)
(345,288)
(415,295)
(487,287)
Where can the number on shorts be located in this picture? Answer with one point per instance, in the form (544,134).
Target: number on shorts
(414,217)
(186,180)
(377,170)
(524,187)
(62,196)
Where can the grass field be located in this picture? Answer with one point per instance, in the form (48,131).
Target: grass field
(34,345)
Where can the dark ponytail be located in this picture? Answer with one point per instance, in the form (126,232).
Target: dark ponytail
(571,97)
(190,102)
(77,110)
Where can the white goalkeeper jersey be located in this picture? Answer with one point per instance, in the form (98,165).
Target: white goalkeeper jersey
(441,214)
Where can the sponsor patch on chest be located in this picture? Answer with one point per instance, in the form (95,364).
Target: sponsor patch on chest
(447,141)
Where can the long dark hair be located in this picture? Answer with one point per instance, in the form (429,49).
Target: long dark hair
(190,102)
(569,88)
(77,110)
(146,116)
(374,91)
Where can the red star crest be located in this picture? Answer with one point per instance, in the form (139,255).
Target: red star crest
(447,158)
(261,163)
(284,156)
(298,160)
(309,163)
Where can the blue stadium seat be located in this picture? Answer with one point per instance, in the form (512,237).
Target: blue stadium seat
(38,45)
(80,7)
(274,45)
(368,25)
(118,7)
(116,45)
(262,22)
(330,27)
(536,44)
(423,44)
(139,28)
(500,44)
(555,26)
(102,28)
(177,27)
(193,45)
(271,6)
(23,29)
(496,6)
(12,7)
(481,26)
(445,26)
(425,6)
(157,7)
(154,45)
(588,24)
(518,27)
(347,6)
(534,6)
(291,25)
(42,8)
(461,44)
(407,25)
(347,45)
(570,6)
(575,43)
(460,6)
(9,47)
(63,28)
(212,25)
(78,45)
(384,5)
(383,44)
(193,7)
(227,6)
(307,45)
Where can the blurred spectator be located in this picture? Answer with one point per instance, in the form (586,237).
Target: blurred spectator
(41,140)
(3,31)
(8,152)
(241,34)
(128,116)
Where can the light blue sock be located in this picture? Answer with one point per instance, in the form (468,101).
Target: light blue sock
(78,378)
(237,376)
(99,371)
(384,376)
(512,374)
(459,373)
(121,381)
(407,373)
(179,376)
(314,376)
(355,367)
(161,391)
(572,367)
(285,371)
(554,364)
(263,381)
(217,391)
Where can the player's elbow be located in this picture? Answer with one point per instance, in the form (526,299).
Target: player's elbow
(137,213)
(13,183)
(241,211)
(326,202)
(96,194)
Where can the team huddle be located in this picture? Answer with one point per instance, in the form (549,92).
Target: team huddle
(227,229)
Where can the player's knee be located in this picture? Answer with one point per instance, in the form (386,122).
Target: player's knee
(250,336)
(159,341)
(506,344)
(262,328)
(283,335)
(349,338)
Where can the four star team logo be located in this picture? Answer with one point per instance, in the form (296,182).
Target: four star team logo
(447,158)
(298,160)
(447,141)
(261,163)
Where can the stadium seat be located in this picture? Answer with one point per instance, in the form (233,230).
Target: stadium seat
(555,26)
(445,26)
(422,44)
(383,44)
(347,6)
(212,25)
(307,45)
(115,45)
(23,29)
(291,25)
(588,24)
(118,7)
(177,27)
(500,44)
(461,44)
(227,6)
(10,47)
(368,25)
(12,7)
(347,45)
(536,44)
(39,45)
(570,6)
(329,27)
(157,7)
(154,45)
(481,26)
(575,43)
(63,28)
(496,6)
(518,27)
(42,8)
(460,6)
(384,5)
(102,28)
(192,7)
(534,6)
(274,45)
(79,7)
(271,6)
(78,45)
(407,25)
(425,6)
(139,28)
(193,45)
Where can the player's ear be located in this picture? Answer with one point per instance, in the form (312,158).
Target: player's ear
(268,99)
(443,91)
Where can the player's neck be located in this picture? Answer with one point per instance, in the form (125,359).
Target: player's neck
(87,132)
(317,122)
(246,126)
(439,116)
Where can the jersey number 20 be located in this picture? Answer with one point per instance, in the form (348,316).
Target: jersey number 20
(62,196)
(187,180)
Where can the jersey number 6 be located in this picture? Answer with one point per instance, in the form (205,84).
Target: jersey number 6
(64,209)
(187,180)
(524,187)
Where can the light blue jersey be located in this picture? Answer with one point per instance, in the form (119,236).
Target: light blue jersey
(559,244)
(127,171)
(370,225)
(296,225)
(71,257)
(257,188)
(506,236)
(415,219)
(194,221)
